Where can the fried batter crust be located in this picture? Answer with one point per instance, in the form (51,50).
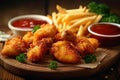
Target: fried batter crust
(47,31)
(14,47)
(64,52)
(37,52)
(86,45)
(28,37)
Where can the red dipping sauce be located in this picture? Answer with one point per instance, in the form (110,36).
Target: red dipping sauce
(108,34)
(27,23)
(106,29)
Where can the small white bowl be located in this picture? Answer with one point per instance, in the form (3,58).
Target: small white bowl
(22,31)
(104,36)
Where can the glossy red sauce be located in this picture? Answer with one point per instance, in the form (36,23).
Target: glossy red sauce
(27,23)
(106,29)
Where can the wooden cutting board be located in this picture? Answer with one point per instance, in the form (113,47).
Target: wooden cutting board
(41,70)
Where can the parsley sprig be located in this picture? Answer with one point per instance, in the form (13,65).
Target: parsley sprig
(35,28)
(53,65)
(21,57)
(90,58)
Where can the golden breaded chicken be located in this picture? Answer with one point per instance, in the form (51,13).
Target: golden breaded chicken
(14,47)
(36,52)
(85,46)
(65,35)
(28,37)
(64,52)
(48,41)
(94,42)
(45,31)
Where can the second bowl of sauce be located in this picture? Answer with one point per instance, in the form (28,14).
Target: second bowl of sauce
(108,34)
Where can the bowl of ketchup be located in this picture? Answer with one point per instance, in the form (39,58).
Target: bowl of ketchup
(21,24)
(108,34)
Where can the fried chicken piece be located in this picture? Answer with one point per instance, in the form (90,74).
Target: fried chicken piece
(65,35)
(45,31)
(37,52)
(64,52)
(28,37)
(14,47)
(86,45)
(48,41)
(94,42)
(83,45)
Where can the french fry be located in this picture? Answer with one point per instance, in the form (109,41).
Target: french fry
(70,17)
(54,19)
(76,10)
(75,20)
(59,19)
(80,7)
(83,21)
(60,27)
(97,18)
(49,16)
(86,27)
(87,10)
(80,31)
(60,9)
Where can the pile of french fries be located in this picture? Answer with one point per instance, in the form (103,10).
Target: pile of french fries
(75,20)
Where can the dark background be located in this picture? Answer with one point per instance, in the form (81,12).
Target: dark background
(12,8)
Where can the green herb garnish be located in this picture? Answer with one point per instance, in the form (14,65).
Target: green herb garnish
(98,8)
(21,57)
(112,17)
(90,58)
(35,28)
(104,10)
(53,65)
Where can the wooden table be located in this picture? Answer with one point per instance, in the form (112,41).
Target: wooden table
(111,73)
(8,10)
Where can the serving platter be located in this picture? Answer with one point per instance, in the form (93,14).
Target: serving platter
(41,70)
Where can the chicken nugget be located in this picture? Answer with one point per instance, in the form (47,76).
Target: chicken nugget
(14,47)
(65,35)
(47,31)
(64,52)
(94,42)
(37,52)
(28,37)
(84,46)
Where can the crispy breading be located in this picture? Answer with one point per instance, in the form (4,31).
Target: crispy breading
(65,35)
(64,52)
(37,52)
(14,47)
(65,46)
(94,42)
(28,37)
(45,31)
(85,46)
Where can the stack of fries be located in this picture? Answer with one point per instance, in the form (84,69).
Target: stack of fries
(75,20)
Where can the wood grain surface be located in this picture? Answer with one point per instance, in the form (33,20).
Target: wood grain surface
(40,71)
